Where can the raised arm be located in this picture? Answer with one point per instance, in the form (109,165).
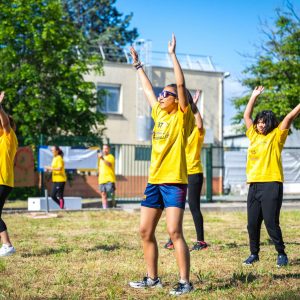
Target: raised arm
(4,120)
(146,84)
(197,115)
(100,155)
(290,117)
(249,108)
(179,77)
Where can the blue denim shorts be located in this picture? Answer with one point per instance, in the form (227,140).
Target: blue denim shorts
(165,195)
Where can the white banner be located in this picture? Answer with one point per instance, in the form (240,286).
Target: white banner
(73,158)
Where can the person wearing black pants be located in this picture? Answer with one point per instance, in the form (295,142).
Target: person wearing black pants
(57,192)
(195,174)
(265,175)
(8,150)
(58,176)
(264,203)
(194,193)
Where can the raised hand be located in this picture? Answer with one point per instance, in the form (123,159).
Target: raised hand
(172,45)
(1,97)
(196,96)
(257,91)
(134,55)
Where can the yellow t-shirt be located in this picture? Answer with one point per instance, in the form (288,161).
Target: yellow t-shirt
(193,151)
(264,155)
(169,139)
(8,150)
(107,173)
(58,176)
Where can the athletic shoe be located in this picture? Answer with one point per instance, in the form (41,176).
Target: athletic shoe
(169,245)
(61,203)
(147,282)
(182,287)
(6,250)
(282,260)
(200,245)
(251,259)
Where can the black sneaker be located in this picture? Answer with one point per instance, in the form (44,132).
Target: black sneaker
(200,245)
(282,260)
(182,288)
(169,245)
(147,282)
(251,259)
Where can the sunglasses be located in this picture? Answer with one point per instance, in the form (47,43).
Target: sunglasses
(165,94)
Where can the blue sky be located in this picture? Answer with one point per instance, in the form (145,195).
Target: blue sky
(218,28)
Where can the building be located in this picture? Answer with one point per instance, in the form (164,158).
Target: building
(129,125)
(127,109)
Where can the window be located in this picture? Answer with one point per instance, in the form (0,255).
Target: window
(142,153)
(110,96)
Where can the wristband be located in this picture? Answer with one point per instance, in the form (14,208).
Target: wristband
(138,67)
(135,64)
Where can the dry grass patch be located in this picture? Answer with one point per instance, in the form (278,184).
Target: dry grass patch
(93,255)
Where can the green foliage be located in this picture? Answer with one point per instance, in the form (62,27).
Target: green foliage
(276,67)
(44,59)
(23,193)
(102,24)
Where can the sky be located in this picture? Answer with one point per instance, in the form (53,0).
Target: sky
(226,30)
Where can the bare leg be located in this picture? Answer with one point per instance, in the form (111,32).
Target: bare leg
(174,225)
(104,199)
(149,220)
(5,238)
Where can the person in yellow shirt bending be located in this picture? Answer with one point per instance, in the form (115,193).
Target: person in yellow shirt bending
(59,177)
(8,149)
(265,175)
(167,184)
(107,177)
(195,174)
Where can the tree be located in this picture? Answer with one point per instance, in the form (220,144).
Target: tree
(276,67)
(103,25)
(43,62)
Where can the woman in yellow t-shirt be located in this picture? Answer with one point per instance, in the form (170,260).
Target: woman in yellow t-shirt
(167,184)
(195,174)
(8,149)
(265,175)
(59,177)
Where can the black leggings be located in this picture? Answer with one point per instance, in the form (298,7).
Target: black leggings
(57,191)
(195,182)
(4,192)
(264,204)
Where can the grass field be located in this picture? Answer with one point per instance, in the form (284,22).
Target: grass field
(93,255)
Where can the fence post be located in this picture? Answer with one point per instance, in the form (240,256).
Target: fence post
(209,174)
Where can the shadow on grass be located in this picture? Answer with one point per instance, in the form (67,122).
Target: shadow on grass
(236,280)
(295,262)
(290,295)
(104,248)
(47,252)
(286,276)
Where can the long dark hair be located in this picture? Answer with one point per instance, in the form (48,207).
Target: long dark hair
(59,151)
(267,117)
(174,86)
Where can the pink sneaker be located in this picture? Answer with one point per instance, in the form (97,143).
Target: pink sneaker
(61,203)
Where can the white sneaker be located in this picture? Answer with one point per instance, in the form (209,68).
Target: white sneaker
(182,287)
(146,282)
(6,250)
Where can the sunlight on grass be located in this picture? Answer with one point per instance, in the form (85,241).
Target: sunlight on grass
(93,255)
